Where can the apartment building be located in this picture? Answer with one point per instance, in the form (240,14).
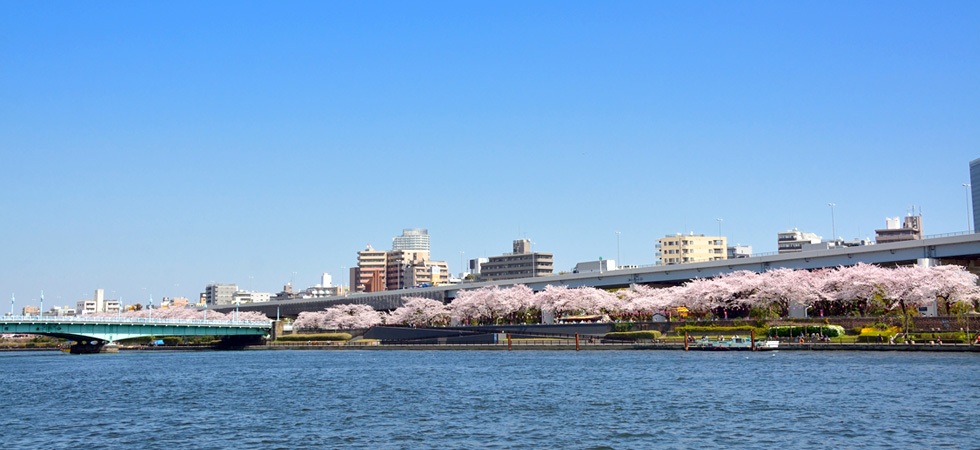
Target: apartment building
(522,263)
(220,294)
(690,248)
(378,270)
(369,275)
(791,241)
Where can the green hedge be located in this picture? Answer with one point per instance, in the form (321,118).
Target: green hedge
(633,335)
(794,331)
(316,337)
(698,328)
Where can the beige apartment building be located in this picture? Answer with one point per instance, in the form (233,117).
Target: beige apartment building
(369,275)
(379,270)
(690,248)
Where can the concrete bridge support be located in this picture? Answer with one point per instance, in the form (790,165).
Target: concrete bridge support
(88,347)
(276,330)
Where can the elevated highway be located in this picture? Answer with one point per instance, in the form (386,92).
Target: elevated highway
(963,249)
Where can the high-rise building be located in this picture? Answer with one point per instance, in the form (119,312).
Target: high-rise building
(690,248)
(792,241)
(411,239)
(522,263)
(975,192)
(371,264)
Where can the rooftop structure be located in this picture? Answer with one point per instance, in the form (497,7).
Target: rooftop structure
(602,266)
(411,239)
(739,251)
(911,229)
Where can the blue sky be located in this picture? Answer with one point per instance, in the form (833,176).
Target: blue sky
(151,148)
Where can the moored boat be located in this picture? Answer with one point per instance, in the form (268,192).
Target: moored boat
(733,343)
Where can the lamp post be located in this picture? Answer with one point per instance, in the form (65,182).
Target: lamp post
(11,304)
(461,264)
(619,262)
(534,266)
(149,308)
(236,311)
(40,313)
(966,190)
(343,269)
(833,224)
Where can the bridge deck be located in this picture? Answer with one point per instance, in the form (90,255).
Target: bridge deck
(106,329)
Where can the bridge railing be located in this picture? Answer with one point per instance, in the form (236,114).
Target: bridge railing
(133,320)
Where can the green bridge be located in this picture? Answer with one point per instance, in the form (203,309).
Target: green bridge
(91,334)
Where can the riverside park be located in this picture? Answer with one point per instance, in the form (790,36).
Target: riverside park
(861,307)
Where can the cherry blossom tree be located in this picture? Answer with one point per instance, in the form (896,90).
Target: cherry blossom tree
(186,313)
(948,285)
(487,303)
(779,289)
(339,317)
(420,311)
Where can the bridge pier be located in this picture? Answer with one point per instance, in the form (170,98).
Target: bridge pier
(238,342)
(89,347)
(276,330)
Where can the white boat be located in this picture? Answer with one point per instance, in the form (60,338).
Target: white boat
(734,343)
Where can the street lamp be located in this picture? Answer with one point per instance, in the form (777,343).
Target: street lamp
(343,269)
(149,308)
(534,266)
(619,262)
(719,226)
(236,311)
(11,304)
(40,313)
(461,264)
(966,190)
(833,224)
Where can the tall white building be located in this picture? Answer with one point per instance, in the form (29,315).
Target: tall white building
(411,239)
(792,241)
(97,304)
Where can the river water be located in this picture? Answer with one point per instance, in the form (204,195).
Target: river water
(489,399)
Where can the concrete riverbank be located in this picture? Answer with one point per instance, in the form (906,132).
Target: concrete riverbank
(955,348)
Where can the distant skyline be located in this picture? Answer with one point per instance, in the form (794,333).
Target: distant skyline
(152,148)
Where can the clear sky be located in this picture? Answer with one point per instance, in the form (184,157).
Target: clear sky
(149,148)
